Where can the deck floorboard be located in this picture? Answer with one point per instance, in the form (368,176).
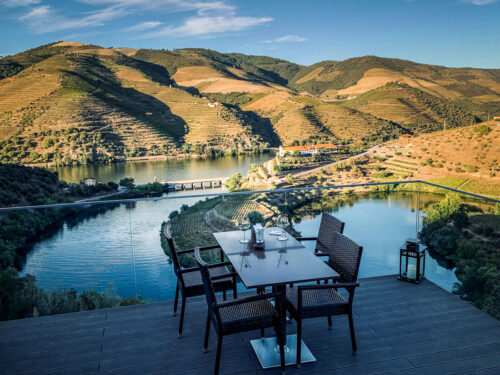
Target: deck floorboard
(401,329)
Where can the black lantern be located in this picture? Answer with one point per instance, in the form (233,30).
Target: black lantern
(412,261)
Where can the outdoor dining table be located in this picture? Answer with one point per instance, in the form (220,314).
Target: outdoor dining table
(278,264)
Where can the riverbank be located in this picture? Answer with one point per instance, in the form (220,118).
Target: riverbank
(129,159)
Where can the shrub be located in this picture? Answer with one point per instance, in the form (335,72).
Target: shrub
(48,142)
(233,183)
(255,217)
(173,215)
(127,182)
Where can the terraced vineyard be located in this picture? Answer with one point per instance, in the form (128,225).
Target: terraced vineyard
(236,209)
(190,228)
(140,103)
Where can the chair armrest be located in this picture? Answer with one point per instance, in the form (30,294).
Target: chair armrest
(328,286)
(321,254)
(190,269)
(215,265)
(225,276)
(186,251)
(306,238)
(346,285)
(257,297)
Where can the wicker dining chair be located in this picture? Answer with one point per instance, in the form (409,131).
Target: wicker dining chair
(313,301)
(239,315)
(328,226)
(189,282)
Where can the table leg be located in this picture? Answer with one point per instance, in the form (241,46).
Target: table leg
(267,349)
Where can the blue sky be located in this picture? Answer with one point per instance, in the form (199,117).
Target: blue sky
(444,32)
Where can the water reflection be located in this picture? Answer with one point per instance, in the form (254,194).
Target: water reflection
(171,169)
(122,245)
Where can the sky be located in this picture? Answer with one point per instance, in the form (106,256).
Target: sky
(453,33)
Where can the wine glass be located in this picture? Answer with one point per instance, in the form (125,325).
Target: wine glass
(282,224)
(244,226)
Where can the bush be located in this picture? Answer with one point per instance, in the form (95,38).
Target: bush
(233,183)
(127,182)
(255,217)
(173,215)
(48,142)
(460,219)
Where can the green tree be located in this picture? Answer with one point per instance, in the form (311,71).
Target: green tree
(173,215)
(444,209)
(127,182)
(289,179)
(233,183)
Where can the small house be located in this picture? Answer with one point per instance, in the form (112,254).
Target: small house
(89,182)
(214,104)
(306,149)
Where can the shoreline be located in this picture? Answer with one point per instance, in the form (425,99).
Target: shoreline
(126,159)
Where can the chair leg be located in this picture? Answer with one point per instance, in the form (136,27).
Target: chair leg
(299,342)
(176,299)
(318,282)
(207,334)
(217,358)
(330,322)
(262,332)
(353,335)
(224,295)
(282,356)
(183,308)
(235,290)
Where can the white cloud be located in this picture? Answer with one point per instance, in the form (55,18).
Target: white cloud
(286,39)
(480,2)
(144,26)
(197,26)
(210,17)
(18,3)
(44,19)
(202,7)
(291,38)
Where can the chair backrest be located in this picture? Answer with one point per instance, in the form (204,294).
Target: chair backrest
(344,257)
(207,284)
(328,226)
(173,253)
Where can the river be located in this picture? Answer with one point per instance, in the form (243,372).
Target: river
(122,246)
(169,169)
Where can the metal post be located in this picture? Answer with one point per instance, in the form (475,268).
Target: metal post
(417,214)
(133,255)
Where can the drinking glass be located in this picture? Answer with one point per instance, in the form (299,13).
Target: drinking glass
(244,226)
(282,224)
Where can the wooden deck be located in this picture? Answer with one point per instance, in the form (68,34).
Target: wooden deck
(401,329)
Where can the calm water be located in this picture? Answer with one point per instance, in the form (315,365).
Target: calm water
(174,169)
(123,244)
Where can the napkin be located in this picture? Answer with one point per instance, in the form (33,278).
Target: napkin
(275,232)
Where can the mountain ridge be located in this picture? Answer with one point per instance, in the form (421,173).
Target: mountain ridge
(74,103)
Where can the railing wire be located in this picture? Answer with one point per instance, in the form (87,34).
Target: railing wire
(309,188)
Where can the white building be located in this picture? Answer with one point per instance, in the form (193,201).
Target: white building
(89,182)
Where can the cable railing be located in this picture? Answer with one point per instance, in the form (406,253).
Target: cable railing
(92,244)
(246,192)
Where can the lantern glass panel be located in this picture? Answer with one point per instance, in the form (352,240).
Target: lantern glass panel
(411,270)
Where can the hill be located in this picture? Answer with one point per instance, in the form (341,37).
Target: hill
(465,158)
(361,74)
(74,103)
